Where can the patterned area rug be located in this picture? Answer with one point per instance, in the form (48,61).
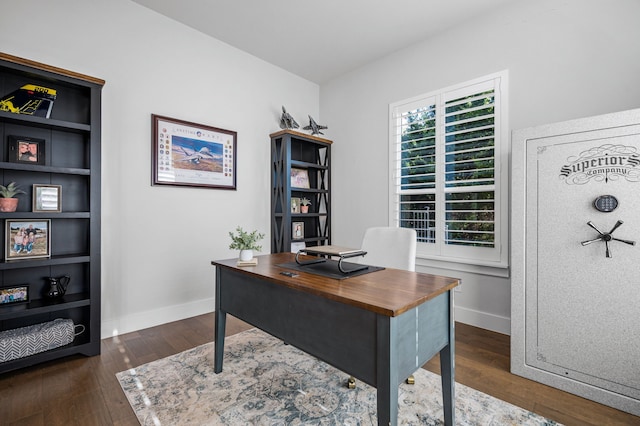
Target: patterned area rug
(265,382)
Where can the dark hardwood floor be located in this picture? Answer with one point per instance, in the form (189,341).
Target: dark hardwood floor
(84,391)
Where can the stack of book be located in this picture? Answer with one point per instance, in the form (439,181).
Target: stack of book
(252,262)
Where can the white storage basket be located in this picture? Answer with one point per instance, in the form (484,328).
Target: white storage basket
(25,341)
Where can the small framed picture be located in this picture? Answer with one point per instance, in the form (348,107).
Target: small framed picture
(299,178)
(16,294)
(27,239)
(295,205)
(23,149)
(47,198)
(297,230)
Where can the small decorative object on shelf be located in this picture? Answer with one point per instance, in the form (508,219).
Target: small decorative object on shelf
(9,202)
(30,100)
(287,121)
(47,198)
(295,205)
(314,127)
(246,242)
(58,286)
(304,205)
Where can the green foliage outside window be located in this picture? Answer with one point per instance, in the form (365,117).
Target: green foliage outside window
(469,162)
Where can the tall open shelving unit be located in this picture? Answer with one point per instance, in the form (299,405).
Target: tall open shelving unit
(312,155)
(72,142)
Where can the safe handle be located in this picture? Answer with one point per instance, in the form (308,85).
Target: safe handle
(606,237)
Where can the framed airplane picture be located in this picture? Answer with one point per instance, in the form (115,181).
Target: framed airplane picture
(190,154)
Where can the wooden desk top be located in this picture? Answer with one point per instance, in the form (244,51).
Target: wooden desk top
(389,292)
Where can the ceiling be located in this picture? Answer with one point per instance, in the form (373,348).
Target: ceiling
(319,40)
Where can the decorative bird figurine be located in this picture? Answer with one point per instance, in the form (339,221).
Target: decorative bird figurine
(314,127)
(287,121)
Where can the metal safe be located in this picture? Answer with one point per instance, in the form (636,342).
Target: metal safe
(575,250)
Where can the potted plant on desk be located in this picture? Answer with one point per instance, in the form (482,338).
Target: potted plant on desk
(8,202)
(304,205)
(246,242)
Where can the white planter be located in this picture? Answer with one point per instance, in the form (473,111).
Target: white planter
(246,255)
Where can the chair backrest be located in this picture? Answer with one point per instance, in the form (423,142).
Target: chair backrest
(390,248)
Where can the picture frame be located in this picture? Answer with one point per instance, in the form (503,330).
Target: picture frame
(47,198)
(14,294)
(26,150)
(191,154)
(27,238)
(297,230)
(295,205)
(299,178)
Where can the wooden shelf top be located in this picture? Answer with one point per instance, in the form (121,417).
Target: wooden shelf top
(50,68)
(299,134)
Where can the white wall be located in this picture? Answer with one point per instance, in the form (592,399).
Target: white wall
(158,241)
(566,59)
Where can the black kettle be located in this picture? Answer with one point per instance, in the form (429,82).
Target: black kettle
(58,286)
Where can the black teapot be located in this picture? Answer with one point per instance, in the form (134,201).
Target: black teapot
(58,286)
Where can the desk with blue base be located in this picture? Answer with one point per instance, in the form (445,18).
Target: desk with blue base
(378,327)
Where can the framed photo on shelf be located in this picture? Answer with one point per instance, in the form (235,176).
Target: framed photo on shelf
(295,205)
(15,294)
(23,149)
(190,154)
(27,239)
(47,198)
(299,178)
(297,230)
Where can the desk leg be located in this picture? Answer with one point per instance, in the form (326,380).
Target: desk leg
(447,368)
(387,383)
(220,328)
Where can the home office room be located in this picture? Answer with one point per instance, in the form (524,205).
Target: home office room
(469,177)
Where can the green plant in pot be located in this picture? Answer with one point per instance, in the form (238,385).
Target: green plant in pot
(9,202)
(304,205)
(246,242)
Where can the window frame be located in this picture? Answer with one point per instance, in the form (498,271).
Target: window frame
(496,256)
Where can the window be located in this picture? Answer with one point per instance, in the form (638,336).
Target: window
(448,162)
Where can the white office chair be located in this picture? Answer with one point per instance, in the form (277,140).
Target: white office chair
(390,248)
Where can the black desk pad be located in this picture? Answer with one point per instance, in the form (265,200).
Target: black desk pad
(330,269)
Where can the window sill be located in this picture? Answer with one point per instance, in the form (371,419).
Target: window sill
(495,269)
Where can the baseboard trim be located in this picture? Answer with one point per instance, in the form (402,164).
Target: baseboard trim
(483,320)
(141,320)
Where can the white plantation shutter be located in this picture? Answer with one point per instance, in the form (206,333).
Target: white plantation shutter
(447,158)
